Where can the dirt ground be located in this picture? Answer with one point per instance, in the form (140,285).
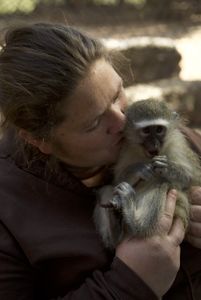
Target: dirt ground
(110,22)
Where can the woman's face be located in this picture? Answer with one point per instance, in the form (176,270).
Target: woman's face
(91,134)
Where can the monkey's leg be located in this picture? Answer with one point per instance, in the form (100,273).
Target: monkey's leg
(140,211)
(107,219)
(124,201)
(182,209)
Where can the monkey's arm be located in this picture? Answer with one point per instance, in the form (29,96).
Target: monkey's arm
(136,172)
(173,172)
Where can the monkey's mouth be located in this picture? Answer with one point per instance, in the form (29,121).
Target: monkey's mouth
(152,153)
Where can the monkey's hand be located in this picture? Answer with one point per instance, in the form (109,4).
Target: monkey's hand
(160,165)
(123,196)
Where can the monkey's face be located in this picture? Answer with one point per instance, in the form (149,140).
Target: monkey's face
(150,124)
(152,139)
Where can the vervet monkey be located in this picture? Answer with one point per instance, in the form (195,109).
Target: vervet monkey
(155,157)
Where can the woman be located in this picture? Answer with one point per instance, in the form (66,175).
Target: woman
(63,104)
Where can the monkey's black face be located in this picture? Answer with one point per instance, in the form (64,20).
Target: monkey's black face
(152,138)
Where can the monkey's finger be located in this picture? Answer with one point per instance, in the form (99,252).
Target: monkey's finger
(160,157)
(177,231)
(123,188)
(166,219)
(160,164)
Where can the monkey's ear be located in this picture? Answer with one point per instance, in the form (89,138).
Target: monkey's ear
(175,115)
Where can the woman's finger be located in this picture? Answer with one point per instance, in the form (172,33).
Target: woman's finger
(168,214)
(195,195)
(177,231)
(195,229)
(195,213)
(194,241)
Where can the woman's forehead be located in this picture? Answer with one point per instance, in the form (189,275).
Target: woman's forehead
(95,91)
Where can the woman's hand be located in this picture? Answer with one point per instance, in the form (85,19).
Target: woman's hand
(194,231)
(157,259)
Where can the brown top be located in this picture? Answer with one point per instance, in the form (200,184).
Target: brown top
(49,248)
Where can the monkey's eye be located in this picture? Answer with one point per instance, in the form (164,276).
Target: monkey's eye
(145,130)
(160,130)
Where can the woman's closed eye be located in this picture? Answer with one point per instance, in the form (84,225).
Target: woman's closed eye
(94,125)
(118,96)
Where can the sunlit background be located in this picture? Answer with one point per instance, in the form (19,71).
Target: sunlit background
(173,22)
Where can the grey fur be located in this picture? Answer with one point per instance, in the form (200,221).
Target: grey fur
(133,205)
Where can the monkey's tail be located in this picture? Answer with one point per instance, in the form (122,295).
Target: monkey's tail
(148,206)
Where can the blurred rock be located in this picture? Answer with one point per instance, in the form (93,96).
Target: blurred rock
(182,96)
(148,58)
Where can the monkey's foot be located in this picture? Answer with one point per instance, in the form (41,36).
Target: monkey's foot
(123,194)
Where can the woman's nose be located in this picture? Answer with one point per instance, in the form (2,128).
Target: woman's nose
(117,121)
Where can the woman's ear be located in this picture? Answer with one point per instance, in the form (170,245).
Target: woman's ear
(43,146)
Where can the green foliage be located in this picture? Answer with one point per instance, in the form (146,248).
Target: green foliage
(7,7)
(27,6)
(139,3)
(136,2)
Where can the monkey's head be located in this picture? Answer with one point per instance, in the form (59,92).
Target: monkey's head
(149,124)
